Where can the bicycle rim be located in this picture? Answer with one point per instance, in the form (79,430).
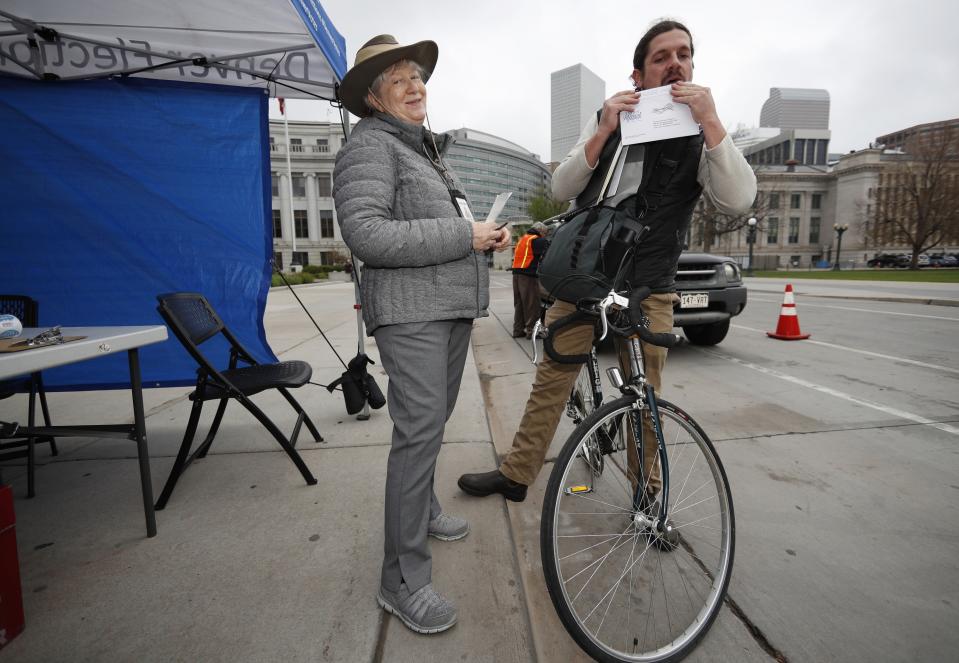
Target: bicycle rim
(622,591)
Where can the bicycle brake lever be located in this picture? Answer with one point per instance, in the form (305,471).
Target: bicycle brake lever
(603,305)
(612,299)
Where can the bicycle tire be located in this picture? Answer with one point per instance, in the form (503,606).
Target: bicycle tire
(672,569)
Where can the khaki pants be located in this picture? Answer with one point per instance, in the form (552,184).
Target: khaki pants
(525,304)
(553,383)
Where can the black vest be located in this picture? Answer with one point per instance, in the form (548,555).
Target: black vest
(670,193)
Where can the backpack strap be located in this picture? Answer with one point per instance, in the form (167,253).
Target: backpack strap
(656,180)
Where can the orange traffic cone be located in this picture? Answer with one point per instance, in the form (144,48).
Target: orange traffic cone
(788,327)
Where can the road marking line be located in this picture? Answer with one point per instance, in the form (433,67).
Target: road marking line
(805,304)
(902,414)
(866,352)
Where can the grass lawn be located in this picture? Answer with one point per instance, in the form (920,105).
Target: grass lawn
(888,274)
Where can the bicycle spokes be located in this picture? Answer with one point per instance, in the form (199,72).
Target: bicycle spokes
(628,582)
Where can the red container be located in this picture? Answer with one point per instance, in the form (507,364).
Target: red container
(11,600)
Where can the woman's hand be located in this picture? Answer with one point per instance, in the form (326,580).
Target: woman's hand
(504,241)
(486,236)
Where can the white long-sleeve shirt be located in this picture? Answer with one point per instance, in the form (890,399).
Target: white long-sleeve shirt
(725,176)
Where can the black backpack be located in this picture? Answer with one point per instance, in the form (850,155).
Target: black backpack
(591,246)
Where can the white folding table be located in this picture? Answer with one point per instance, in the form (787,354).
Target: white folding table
(98,342)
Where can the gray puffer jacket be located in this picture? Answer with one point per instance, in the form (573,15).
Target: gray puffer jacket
(397,216)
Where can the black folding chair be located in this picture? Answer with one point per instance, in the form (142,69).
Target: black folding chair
(193,321)
(27,311)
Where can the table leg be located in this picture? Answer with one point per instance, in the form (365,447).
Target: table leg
(139,428)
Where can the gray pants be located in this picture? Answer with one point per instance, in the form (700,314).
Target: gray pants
(424,362)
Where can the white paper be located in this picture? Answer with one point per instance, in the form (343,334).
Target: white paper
(498,205)
(657,117)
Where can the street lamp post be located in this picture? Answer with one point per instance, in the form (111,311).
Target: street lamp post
(751,239)
(840,229)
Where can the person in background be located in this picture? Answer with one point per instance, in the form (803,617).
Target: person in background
(526,298)
(425,279)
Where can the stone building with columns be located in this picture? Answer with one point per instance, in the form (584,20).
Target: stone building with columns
(799,206)
(305,230)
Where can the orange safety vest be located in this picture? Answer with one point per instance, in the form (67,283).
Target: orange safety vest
(523,255)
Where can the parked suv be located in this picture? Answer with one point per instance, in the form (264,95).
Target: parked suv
(711,292)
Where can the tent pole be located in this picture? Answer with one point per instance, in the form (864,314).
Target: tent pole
(360,333)
(289,180)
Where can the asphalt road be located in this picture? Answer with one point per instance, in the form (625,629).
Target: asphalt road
(843,454)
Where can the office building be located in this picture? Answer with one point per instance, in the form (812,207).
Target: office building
(923,137)
(575,94)
(488,165)
(795,108)
(744,137)
(802,117)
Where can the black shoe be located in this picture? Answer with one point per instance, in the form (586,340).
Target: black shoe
(487,483)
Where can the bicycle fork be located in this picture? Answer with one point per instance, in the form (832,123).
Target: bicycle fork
(647,396)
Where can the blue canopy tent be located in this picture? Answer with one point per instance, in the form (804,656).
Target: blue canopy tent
(153,176)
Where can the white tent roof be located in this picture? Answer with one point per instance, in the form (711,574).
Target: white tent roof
(287,46)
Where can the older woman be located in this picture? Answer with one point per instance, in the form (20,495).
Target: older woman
(424,280)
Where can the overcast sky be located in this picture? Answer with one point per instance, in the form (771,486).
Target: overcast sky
(886,64)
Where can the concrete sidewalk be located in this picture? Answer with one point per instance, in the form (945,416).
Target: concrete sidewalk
(250,563)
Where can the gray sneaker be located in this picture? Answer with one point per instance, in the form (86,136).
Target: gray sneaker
(448,528)
(423,611)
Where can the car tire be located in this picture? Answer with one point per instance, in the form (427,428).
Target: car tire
(710,334)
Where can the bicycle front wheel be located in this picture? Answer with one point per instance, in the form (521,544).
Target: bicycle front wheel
(627,585)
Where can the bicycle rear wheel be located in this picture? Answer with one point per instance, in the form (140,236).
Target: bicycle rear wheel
(625,590)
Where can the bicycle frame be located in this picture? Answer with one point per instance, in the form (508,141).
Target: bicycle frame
(638,385)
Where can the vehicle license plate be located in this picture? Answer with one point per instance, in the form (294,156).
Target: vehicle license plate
(694,300)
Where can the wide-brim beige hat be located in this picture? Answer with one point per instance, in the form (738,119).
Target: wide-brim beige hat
(373,58)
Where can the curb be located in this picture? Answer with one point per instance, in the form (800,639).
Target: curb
(876,298)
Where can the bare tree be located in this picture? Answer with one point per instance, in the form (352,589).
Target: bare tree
(716,224)
(919,205)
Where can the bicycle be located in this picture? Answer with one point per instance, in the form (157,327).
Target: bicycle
(637,558)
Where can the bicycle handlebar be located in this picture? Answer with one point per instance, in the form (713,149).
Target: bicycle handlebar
(586,310)
(662,339)
(555,355)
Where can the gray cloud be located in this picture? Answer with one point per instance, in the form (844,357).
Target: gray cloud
(887,65)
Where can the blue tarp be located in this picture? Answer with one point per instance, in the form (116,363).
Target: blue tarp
(115,191)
